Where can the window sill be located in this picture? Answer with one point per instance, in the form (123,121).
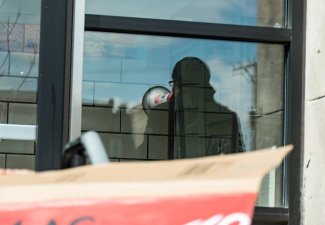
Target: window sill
(270,216)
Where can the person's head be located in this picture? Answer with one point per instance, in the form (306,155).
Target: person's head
(191,78)
(191,71)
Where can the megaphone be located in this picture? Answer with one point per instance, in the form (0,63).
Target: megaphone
(155,96)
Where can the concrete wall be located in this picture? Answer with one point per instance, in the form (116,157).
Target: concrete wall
(314,158)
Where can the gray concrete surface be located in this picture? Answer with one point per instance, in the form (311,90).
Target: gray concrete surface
(313,193)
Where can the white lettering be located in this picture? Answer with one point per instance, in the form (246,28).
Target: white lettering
(239,218)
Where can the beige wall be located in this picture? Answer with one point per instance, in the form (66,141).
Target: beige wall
(271,12)
(314,156)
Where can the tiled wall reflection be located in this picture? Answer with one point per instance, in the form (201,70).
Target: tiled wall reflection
(121,121)
(126,136)
(113,89)
(20,161)
(121,130)
(17,153)
(19,60)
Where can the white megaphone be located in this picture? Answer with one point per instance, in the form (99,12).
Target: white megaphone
(155,96)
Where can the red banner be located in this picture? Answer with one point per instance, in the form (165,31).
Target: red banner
(231,209)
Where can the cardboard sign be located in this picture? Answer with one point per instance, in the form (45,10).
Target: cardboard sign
(218,190)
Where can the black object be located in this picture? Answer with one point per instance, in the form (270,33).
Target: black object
(74,154)
(87,147)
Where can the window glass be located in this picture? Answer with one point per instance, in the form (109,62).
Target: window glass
(243,12)
(19,53)
(155,98)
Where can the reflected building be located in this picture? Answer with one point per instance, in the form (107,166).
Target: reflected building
(268,117)
(19,61)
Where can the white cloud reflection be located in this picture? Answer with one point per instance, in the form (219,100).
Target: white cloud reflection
(233,91)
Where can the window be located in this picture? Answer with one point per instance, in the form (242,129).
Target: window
(228,97)
(266,32)
(19,54)
(130,57)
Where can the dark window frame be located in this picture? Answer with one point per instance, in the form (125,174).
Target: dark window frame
(53,89)
(55,72)
(187,29)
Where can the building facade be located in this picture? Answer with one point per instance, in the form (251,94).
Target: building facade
(247,75)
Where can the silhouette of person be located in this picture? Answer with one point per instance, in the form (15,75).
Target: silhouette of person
(197,124)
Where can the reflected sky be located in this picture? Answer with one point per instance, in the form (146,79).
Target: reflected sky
(244,12)
(29,11)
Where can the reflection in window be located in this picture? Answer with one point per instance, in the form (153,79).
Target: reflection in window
(227,97)
(197,124)
(19,53)
(242,12)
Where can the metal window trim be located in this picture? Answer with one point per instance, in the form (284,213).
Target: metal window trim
(296,109)
(77,70)
(285,119)
(53,83)
(273,216)
(187,29)
(18,132)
